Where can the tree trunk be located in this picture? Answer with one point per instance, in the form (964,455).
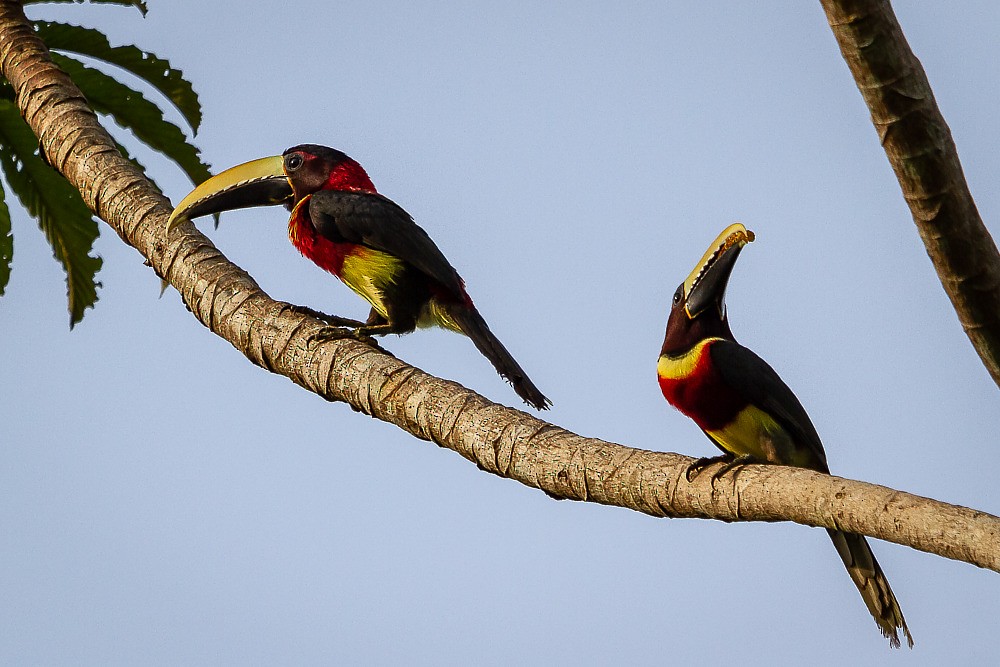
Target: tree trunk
(500,440)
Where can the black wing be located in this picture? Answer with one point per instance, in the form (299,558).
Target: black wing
(759,383)
(377,222)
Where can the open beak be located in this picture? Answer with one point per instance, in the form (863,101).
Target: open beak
(258,183)
(707,283)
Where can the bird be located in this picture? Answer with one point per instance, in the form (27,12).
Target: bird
(747,411)
(343,225)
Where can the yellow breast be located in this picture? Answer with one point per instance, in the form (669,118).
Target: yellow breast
(368,272)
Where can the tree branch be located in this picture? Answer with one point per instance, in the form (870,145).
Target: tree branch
(501,440)
(922,153)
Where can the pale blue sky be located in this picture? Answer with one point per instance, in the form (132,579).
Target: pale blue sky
(164,501)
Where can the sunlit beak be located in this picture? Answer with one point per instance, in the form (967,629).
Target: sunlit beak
(707,283)
(258,183)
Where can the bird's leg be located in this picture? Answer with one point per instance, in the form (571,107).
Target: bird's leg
(377,325)
(363,333)
(332,320)
(339,332)
(377,329)
(339,327)
(360,331)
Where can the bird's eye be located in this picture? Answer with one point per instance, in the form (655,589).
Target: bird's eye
(677,296)
(293,162)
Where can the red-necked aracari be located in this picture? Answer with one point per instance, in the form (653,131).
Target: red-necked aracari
(344,226)
(743,407)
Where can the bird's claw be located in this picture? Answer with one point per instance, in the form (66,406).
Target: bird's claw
(332,320)
(339,333)
(695,468)
(328,333)
(728,462)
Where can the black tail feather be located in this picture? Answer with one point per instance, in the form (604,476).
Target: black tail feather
(474,326)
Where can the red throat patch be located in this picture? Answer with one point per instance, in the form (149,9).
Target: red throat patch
(702,394)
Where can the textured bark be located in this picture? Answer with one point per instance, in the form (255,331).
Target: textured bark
(922,153)
(501,440)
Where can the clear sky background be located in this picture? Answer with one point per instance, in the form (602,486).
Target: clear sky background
(162,500)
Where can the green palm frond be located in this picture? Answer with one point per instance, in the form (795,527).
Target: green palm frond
(130,109)
(67,223)
(148,67)
(62,216)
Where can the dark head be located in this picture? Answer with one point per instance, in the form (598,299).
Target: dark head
(698,310)
(311,168)
(280,179)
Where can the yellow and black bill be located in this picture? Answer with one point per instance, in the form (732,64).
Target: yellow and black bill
(706,285)
(257,183)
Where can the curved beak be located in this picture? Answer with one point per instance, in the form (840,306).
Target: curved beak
(258,183)
(707,283)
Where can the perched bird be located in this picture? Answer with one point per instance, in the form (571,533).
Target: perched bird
(344,226)
(743,407)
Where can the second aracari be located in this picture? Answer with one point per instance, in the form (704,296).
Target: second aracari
(747,411)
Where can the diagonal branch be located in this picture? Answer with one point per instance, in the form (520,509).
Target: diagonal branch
(922,153)
(500,440)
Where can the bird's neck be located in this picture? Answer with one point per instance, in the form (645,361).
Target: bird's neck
(349,176)
(683,334)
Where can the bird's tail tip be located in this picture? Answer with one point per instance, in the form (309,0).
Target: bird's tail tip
(533,397)
(871,581)
(890,628)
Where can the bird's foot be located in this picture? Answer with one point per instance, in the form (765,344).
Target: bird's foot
(728,462)
(332,320)
(736,463)
(695,468)
(339,333)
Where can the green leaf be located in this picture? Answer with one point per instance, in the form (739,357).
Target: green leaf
(133,111)
(146,66)
(63,217)
(138,4)
(6,242)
